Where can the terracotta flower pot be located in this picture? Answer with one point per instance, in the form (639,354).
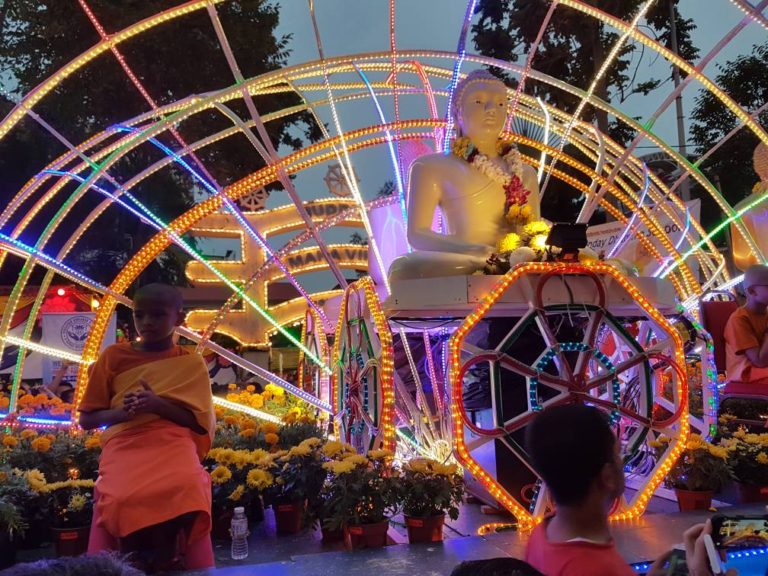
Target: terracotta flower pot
(749,493)
(366,535)
(688,500)
(71,541)
(429,529)
(289,517)
(331,536)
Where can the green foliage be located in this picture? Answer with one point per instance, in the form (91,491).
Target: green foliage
(367,493)
(748,457)
(700,467)
(11,519)
(295,434)
(744,80)
(429,488)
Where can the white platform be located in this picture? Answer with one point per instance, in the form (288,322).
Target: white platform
(457,296)
(454,297)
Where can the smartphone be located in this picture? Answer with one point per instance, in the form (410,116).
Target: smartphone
(676,565)
(740,531)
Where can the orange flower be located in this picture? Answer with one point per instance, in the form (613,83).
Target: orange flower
(92,442)
(27,433)
(257,401)
(250,388)
(10,441)
(247,433)
(271,438)
(4,402)
(41,444)
(230,421)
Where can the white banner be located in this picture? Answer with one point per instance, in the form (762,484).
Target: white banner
(603,238)
(68,332)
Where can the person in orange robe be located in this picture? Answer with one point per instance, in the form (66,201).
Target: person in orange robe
(746,345)
(152,497)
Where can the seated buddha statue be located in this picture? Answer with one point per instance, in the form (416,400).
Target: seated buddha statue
(754,219)
(483,190)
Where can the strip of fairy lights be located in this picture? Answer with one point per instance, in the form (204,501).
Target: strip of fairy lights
(337,123)
(461,50)
(215,190)
(266,148)
(65,270)
(149,218)
(528,65)
(607,63)
(624,233)
(393,151)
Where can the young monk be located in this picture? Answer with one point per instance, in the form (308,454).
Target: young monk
(746,347)
(152,497)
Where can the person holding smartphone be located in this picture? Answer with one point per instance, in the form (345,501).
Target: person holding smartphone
(577,455)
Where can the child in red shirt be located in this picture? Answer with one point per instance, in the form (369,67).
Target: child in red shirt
(577,455)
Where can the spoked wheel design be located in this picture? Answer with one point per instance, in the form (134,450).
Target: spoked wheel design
(363,394)
(556,354)
(312,378)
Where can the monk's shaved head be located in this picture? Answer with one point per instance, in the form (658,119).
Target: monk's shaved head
(756,275)
(168,295)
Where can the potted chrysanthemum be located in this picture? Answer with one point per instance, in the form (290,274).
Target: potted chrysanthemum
(363,491)
(748,461)
(429,491)
(700,471)
(298,477)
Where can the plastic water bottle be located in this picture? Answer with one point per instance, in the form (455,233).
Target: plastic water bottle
(238,529)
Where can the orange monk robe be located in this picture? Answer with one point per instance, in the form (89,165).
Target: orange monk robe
(150,469)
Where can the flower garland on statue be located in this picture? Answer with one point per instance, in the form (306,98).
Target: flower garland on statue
(532,233)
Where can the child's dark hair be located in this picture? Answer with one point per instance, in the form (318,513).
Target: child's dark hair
(170,295)
(495,567)
(569,445)
(102,564)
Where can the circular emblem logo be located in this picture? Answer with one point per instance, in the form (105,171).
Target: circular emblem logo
(75,331)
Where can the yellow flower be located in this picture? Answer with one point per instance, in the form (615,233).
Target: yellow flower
(247,433)
(237,493)
(536,227)
(41,444)
(312,442)
(380,454)
(77,502)
(271,438)
(718,452)
(36,480)
(299,451)
(538,242)
(357,460)
(92,442)
(220,475)
(420,465)
(445,469)
(274,390)
(655,444)
(27,433)
(509,243)
(695,442)
(259,479)
(339,467)
(332,448)
(10,441)
(762,458)
(740,433)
